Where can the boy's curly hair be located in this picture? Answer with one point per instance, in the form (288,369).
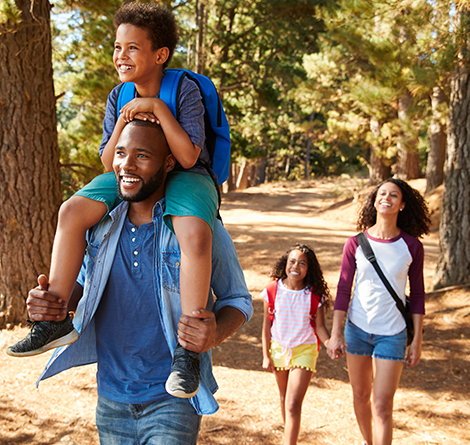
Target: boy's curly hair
(314,278)
(413,219)
(159,22)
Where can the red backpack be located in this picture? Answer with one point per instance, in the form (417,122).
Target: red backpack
(271,290)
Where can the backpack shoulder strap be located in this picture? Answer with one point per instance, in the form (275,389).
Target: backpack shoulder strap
(271,290)
(126,94)
(170,89)
(313,311)
(314,306)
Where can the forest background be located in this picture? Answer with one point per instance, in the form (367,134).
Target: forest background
(311,88)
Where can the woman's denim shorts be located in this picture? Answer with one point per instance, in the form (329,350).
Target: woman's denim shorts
(386,347)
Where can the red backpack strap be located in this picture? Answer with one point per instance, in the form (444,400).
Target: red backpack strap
(313,310)
(271,290)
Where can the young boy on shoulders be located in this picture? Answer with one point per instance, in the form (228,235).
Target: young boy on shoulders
(146,37)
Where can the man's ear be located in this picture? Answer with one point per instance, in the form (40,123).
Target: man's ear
(170,162)
(161,55)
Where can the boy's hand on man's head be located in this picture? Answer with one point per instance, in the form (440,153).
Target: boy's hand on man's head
(146,117)
(147,106)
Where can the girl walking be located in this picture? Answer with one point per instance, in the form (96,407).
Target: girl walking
(294,320)
(393,217)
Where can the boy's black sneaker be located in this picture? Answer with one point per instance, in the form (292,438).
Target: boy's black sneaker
(184,377)
(44,335)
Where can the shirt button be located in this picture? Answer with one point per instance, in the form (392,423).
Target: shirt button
(136,264)
(135,252)
(133,229)
(133,240)
(177,264)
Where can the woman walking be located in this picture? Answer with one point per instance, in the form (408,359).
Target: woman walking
(393,218)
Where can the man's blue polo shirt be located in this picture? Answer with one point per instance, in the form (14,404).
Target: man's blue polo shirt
(133,357)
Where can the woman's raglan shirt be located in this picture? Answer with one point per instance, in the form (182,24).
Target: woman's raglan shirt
(372,308)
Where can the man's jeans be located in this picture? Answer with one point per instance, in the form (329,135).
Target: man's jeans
(171,422)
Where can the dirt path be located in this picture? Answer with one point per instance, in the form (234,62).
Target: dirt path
(432,404)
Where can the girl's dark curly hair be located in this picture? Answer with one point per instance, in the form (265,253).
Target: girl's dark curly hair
(413,219)
(160,24)
(314,278)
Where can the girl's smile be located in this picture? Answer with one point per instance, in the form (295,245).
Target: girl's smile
(296,270)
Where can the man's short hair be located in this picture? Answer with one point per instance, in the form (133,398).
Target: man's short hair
(148,124)
(159,22)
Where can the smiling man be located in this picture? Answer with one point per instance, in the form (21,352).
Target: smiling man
(129,317)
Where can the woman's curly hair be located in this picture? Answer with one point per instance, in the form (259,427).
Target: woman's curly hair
(159,22)
(413,219)
(314,278)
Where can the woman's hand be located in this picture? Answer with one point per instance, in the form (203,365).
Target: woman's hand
(336,347)
(414,353)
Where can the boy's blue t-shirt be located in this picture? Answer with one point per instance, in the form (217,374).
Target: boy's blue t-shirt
(134,360)
(191,119)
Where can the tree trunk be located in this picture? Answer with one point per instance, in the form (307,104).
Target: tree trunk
(408,157)
(437,150)
(378,170)
(242,176)
(199,56)
(262,170)
(453,266)
(309,147)
(30,189)
(289,155)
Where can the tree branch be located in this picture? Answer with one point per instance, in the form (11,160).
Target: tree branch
(71,167)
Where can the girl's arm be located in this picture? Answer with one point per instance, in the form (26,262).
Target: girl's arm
(181,146)
(320,327)
(266,337)
(336,346)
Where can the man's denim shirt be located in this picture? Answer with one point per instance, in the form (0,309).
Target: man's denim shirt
(228,284)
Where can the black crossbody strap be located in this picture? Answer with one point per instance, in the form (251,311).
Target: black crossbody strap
(367,249)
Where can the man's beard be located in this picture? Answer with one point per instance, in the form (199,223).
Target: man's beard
(147,189)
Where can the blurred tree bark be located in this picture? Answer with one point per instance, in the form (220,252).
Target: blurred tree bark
(453,263)
(30,189)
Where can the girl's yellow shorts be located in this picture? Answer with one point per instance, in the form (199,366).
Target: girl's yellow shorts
(302,356)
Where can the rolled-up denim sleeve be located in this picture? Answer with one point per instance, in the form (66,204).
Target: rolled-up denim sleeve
(82,275)
(228,281)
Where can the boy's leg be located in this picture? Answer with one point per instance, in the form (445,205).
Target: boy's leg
(195,239)
(76,216)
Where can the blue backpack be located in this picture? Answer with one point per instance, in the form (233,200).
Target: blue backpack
(216,125)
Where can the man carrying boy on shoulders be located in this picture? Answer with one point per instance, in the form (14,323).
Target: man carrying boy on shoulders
(130,318)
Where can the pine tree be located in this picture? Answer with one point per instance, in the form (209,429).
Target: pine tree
(453,265)
(29,155)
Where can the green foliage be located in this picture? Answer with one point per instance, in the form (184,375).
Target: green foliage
(275,63)
(9,12)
